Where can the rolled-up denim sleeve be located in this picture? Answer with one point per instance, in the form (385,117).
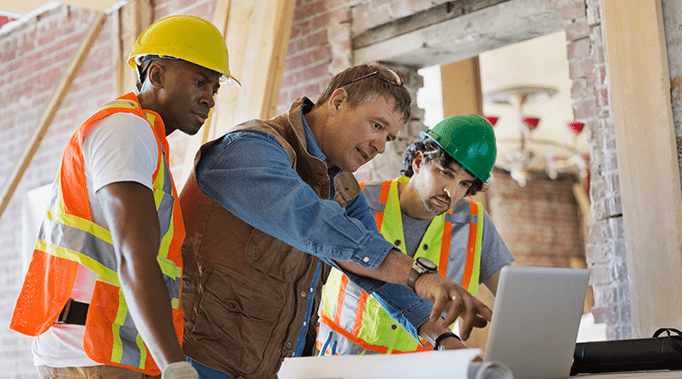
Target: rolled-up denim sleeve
(250,174)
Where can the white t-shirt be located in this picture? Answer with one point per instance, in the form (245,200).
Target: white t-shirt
(121,147)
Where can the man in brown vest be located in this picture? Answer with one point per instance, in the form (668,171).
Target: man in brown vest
(272,205)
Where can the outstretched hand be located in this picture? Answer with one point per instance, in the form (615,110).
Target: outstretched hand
(452,299)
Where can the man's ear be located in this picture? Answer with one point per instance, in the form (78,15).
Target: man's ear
(417,162)
(336,100)
(155,74)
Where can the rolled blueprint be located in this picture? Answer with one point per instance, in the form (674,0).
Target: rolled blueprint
(445,364)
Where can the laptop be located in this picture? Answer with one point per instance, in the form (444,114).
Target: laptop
(536,316)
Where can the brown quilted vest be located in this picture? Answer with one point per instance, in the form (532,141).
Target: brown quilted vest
(244,292)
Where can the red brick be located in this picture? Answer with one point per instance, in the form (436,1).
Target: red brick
(573,9)
(578,49)
(309,10)
(577,30)
(584,109)
(580,68)
(300,29)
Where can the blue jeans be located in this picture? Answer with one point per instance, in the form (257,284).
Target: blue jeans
(206,372)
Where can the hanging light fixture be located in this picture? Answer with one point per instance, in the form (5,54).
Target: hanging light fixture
(522,161)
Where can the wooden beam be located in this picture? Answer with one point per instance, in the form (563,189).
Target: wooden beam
(116,49)
(461,88)
(646,149)
(53,105)
(419,20)
(220,17)
(465,36)
(134,17)
(257,36)
(264,36)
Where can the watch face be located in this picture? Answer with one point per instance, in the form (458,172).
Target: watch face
(427,263)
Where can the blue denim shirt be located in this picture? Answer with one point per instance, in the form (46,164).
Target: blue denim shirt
(250,175)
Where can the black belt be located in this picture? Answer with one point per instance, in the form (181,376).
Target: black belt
(74,312)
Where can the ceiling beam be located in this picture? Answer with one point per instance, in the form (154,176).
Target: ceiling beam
(24,6)
(419,20)
(424,40)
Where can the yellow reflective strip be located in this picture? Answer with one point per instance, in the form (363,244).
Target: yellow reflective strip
(151,117)
(115,104)
(473,287)
(80,223)
(143,350)
(167,266)
(166,241)
(433,237)
(158,181)
(107,275)
(392,226)
(117,348)
(175,303)
(158,196)
(331,291)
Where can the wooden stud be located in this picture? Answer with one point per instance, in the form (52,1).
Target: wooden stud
(257,36)
(648,166)
(461,88)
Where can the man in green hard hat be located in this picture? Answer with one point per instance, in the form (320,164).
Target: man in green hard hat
(425,214)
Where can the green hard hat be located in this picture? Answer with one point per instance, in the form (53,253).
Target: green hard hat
(470,140)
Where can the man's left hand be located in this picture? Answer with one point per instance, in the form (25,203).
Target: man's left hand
(452,299)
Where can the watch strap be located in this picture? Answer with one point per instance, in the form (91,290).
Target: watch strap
(412,279)
(436,345)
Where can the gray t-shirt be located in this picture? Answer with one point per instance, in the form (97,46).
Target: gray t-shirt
(494,252)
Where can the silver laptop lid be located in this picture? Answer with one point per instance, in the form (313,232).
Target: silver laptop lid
(536,316)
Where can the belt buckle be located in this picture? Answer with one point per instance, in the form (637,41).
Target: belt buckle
(64,315)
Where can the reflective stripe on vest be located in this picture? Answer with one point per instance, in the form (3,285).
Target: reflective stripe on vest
(371,327)
(68,236)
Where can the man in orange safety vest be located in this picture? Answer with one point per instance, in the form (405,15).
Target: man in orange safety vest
(101,295)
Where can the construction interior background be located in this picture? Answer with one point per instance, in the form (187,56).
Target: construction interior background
(586,95)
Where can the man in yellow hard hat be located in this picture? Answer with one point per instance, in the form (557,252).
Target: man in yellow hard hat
(101,295)
(272,205)
(425,214)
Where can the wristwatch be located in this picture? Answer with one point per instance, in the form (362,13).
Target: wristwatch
(420,267)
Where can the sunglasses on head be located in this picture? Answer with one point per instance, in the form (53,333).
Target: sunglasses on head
(395,79)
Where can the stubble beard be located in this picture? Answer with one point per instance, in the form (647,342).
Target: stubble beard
(431,209)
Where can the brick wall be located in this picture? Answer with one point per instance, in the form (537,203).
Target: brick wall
(32,58)
(605,245)
(540,223)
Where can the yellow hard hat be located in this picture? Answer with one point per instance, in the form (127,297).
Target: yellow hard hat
(185,37)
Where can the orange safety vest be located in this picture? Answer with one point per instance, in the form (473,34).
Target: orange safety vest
(69,237)
(371,327)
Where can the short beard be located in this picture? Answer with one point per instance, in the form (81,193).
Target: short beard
(430,209)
